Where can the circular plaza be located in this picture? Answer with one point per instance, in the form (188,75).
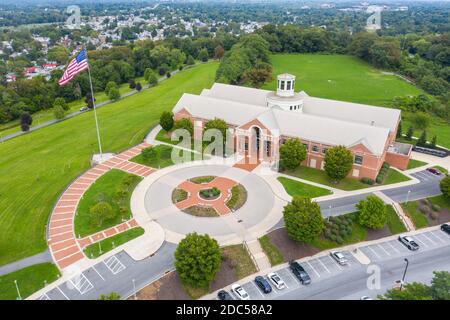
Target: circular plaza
(164,196)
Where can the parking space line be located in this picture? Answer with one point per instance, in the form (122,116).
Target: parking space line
(114,265)
(382,248)
(423,234)
(288,272)
(424,244)
(441,235)
(59,289)
(83,285)
(431,233)
(335,263)
(313,269)
(394,248)
(93,267)
(324,265)
(257,289)
(373,251)
(44,297)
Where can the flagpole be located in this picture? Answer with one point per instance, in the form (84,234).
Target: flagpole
(95,112)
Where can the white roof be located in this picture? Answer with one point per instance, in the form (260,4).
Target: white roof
(321,120)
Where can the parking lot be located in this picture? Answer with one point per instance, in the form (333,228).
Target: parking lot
(394,248)
(317,268)
(324,267)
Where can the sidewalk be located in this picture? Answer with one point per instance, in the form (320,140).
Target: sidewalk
(398,209)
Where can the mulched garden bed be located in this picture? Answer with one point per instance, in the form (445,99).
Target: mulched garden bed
(201,211)
(378,234)
(290,249)
(167,288)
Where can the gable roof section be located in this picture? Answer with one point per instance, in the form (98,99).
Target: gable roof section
(238,94)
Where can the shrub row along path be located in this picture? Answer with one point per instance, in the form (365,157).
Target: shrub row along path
(64,246)
(193,189)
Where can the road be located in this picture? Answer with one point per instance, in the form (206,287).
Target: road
(330,281)
(428,186)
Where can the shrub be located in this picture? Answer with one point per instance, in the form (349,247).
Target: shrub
(184,123)
(333,237)
(343,232)
(424,209)
(168,75)
(435,207)
(101,211)
(349,230)
(335,226)
(339,240)
(335,231)
(327,233)
(166,120)
(380,178)
(149,153)
(444,185)
(367,181)
(424,202)
(386,165)
(434,215)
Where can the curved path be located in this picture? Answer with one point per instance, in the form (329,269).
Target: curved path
(152,201)
(65,247)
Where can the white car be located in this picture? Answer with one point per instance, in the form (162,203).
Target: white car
(82,109)
(276,280)
(339,257)
(240,292)
(409,242)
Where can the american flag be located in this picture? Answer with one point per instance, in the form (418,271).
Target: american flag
(78,64)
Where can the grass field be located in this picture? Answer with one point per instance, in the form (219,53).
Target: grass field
(347,78)
(297,188)
(36,167)
(415,164)
(272,252)
(29,280)
(114,187)
(93,251)
(394,223)
(412,210)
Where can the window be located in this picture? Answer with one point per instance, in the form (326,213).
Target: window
(324,150)
(358,159)
(282,85)
(315,148)
(288,85)
(290,108)
(267,146)
(246,146)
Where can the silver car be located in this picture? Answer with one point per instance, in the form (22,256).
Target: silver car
(276,280)
(339,257)
(409,242)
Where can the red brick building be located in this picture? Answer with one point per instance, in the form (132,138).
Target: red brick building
(260,120)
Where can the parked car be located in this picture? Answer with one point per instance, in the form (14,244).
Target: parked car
(434,171)
(263,284)
(240,292)
(408,242)
(300,272)
(276,280)
(82,109)
(446,228)
(339,257)
(365,298)
(223,295)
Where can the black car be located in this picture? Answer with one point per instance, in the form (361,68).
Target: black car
(263,284)
(223,295)
(446,228)
(300,272)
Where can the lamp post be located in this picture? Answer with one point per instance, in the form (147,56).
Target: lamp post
(407,196)
(404,274)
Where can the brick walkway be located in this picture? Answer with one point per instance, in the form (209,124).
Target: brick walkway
(66,249)
(248,163)
(193,189)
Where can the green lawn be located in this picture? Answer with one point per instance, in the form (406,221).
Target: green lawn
(114,187)
(37,167)
(340,77)
(272,252)
(441,169)
(163,158)
(412,210)
(297,188)
(441,201)
(240,258)
(93,250)
(394,223)
(415,163)
(320,176)
(394,176)
(29,280)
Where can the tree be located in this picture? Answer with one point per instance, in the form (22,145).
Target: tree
(410,133)
(62,103)
(114,94)
(422,139)
(218,52)
(197,260)
(444,185)
(184,123)
(25,121)
(338,162)
(111,296)
(58,112)
(89,101)
(138,86)
(438,290)
(132,84)
(433,142)
(190,61)
(102,211)
(372,212)
(166,120)
(303,219)
(109,86)
(292,153)
(258,75)
(152,79)
(203,55)
(399,130)
(420,120)
(217,124)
